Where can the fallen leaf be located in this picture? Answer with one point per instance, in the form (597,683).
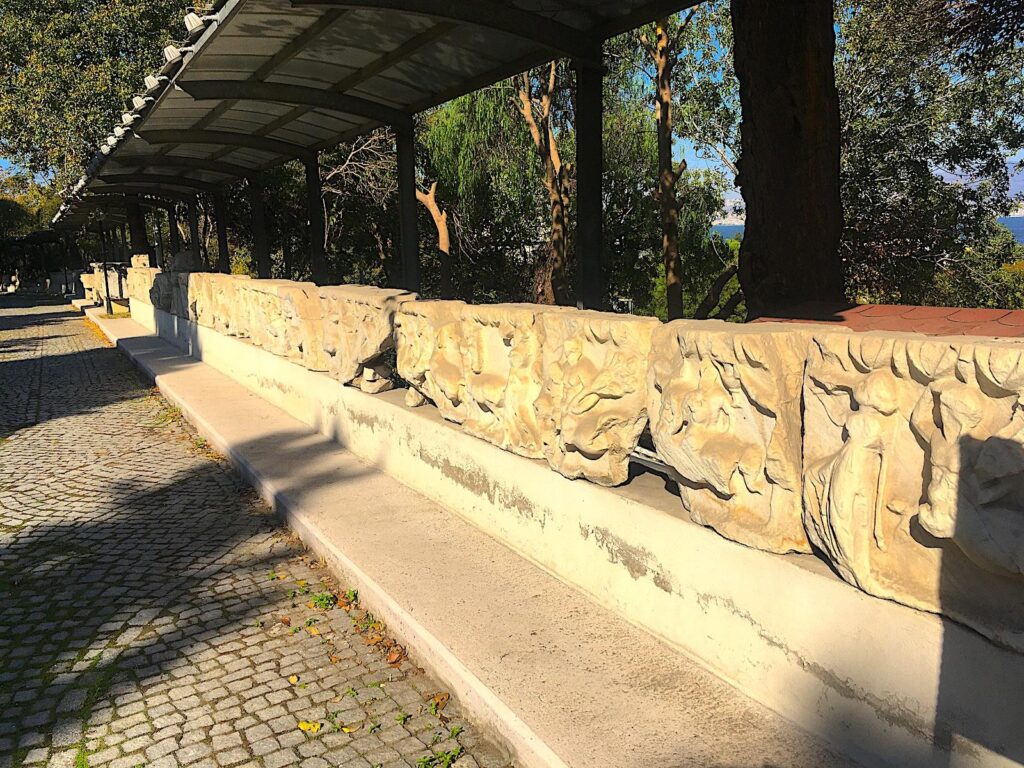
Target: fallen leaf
(293,679)
(309,727)
(395,654)
(301,582)
(286,620)
(313,631)
(373,639)
(335,659)
(350,728)
(439,701)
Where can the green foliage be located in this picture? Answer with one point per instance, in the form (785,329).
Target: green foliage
(67,67)
(325,601)
(25,204)
(479,151)
(926,138)
(990,275)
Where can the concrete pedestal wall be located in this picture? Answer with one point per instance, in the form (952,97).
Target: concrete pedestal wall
(881,681)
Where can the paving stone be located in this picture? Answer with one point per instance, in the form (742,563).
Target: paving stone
(143,616)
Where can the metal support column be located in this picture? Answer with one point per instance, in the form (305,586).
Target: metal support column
(315,208)
(158,239)
(220,213)
(407,233)
(104,247)
(260,246)
(591,284)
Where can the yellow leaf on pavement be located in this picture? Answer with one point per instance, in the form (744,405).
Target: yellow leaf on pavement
(293,679)
(308,727)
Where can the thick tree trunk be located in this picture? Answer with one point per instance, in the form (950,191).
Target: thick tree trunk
(789,165)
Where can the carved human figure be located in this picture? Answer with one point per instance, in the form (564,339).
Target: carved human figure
(501,353)
(914,481)
(976,468)
(358,330)
(845,492)
(429,354)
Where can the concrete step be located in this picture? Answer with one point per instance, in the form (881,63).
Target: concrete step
(560,680)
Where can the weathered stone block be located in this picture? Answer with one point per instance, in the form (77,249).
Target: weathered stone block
(284,318)
(593,404)
(429,352)
(724,407)
(230,314)
(914,472)
(140,283)
(501,348)
(358,328)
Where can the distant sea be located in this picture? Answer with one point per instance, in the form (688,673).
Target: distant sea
(1016,225)
(1013,223)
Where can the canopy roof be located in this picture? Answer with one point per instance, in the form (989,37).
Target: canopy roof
(263,81)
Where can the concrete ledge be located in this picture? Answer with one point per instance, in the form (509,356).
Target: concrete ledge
(879,680)
(559,679)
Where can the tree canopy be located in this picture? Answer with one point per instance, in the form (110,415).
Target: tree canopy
(67,69)
(931,101)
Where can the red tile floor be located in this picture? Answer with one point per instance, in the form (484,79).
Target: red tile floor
(934,321)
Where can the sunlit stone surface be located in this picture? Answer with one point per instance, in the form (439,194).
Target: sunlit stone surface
(914,472)
(593,404)
(724,406)
(358,328)
(429,353)
(502,363)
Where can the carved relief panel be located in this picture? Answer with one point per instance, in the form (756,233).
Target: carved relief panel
(724,407)
(429,338)
(358,324)
(914,472)
(502,360)
(593,404)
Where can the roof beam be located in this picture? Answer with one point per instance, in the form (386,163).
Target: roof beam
(247,90)
(120,190)
(558,38)
(157,179)
(185,163)
(226,139)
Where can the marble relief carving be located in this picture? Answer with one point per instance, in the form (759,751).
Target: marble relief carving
(724,407)
(914,472)
(502,364)
(593,403)
(358,329)
(429,355)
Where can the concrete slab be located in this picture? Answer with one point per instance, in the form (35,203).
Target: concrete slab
(560,679)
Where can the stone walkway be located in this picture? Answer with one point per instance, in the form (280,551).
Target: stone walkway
(152,610)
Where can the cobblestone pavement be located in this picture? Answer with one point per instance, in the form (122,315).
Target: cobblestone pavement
(153,612)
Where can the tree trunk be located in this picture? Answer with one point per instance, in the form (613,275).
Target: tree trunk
(429,200)
(549,281)
(789,164)
(668,175)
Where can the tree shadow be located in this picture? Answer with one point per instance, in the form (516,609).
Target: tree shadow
(980,699)
(126,580)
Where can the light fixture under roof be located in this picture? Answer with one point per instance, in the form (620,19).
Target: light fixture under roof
(154,83)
